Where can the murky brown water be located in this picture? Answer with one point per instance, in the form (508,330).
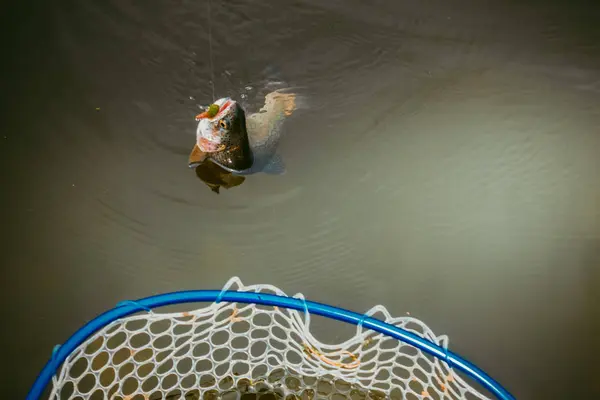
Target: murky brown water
(447,163)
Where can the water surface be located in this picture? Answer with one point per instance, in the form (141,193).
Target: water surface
(446,164)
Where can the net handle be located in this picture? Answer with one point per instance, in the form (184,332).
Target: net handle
(191,296)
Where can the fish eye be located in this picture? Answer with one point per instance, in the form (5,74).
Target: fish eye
(223,124)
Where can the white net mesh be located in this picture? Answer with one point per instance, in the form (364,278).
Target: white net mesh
(248,351)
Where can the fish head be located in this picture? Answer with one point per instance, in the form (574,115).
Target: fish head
(222,134)
(217,124)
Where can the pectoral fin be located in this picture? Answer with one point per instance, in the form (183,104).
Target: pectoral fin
(196,157)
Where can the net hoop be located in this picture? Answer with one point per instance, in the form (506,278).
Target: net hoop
(362,321)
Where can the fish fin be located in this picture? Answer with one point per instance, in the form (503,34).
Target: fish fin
(275,166)
(196,157)
(291,99)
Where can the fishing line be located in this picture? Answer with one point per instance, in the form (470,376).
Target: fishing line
(210,53)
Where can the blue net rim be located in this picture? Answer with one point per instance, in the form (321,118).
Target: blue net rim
(126,308)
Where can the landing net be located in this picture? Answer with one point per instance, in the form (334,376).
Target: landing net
(235,350)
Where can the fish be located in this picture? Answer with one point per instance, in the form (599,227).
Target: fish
(240,145)
(221,136)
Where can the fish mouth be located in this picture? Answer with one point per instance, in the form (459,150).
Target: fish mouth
(224,104)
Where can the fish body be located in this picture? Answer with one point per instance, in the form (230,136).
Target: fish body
(265,129)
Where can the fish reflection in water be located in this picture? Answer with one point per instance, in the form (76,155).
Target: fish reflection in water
(215,177)
(229,145)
